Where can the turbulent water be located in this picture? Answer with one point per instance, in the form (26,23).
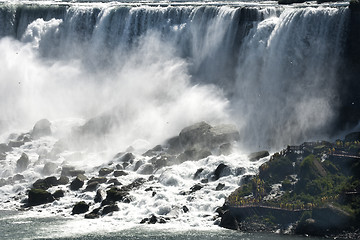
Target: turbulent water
(156,68)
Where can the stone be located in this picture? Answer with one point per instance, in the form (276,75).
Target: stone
(225,149)
(152,219)
(185,209)
(80,207)
(197,174)
(46,183)
(92,187)
(77,183)
(146,169)
(195,188)
(4,148)
(63,180)
(109,209)
(58,194)
(22,163)
(49,168)
(114,181)
(105,171)
(38,197)
(91,216)
(74,173)
(120,173)
(193,154)
(195,134)
(258,155)
(15,144)
(99,196)
(221,170)
(41,128)
(137,165)
(97,179)
(220,186)
(154,151)
(229,221)
(66,170)
(126,158)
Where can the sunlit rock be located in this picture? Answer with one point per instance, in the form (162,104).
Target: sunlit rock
(41,128)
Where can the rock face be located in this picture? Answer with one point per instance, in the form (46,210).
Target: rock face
(258,155)
(41,128)
(39,196)
(22,163)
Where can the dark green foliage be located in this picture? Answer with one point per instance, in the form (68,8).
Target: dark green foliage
(276,169)
(286,185)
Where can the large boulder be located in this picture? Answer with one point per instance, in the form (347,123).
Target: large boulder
(41,128)
(258,155)
(39,196)
(78,182)
(196,134)
(105,171)
(22,163)
(46,183)
(80,207)
(221,171)
(229,221)
(49,168)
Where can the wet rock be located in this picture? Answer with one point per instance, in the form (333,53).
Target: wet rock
(4,148)
(193,154)
(41,128)
(22,163)
(197,174)
(152,219)
(80,207)
(144,220)
(15,144)
(153,151)
(74,173)
(3,182)
(221,170)
(91,216)
(18,177)
(116,194)
(77,183)
(49,168)
(146,169)
(125,158)
(66,170)
(195,188)
(58,194)
(63,180)
(195,134)
(120,173)
(109,209)
(38,197)
(105,171)
(258,155)
(92,187)
(161,161)
(99,196)
(97,179)
(223,133)
(229,221)
(2,156)
(174,145)
(185,209)
(119,167)
(204,180)
(137,165)
(114,181)
(220,186)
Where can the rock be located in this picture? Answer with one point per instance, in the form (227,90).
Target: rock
(99,196)
(119,167)
(110,208)
(80,207)
(18,177)
(58,194)
(219,187)
(49,168)
(197,174)
(174,145)
(38,197)
(45,183)
(77,183)
(258,155)
(204,180)
(115,194)
(196,134)
(63,180)
(41,128)
(3,182)
(153,151)
(105,171)
(193,154)
(195,188)
(146,169)
(290,1)
(229,221)
(223,133)
(152,219)
(92,186)
(4,148)
(114,181)
(2,156)
(15,144)
(22,163)
(91,216)
(125,158)
(66,170)
(97,179)
(144,220)
(74,173)
(137,165)
(185,209)
(221,170)
(120,173)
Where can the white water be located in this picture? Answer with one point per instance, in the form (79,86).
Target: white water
(157,69)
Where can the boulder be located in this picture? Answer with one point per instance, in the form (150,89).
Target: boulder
(258,155)
(77,183)
(221,170)
(125,157)
(197,174)
(225,149)
(58,194)
(45,183)
(185,209)
(2,156)
(74,173)
(105,171)
(195,188)
(15,144)
(66,170)
(4,148)
(220,186)
(80,207)
(39,196)
(223,133)
(116,194)
(120,173)
(18,177)
(22,163)
(109,209)
(41,128)
(154,151)
(193,154)
(114,181)
(99,196)
(92,187)
(97,179)
(196,134)
(49,168)
(146,169)
(63,180)
(229,221)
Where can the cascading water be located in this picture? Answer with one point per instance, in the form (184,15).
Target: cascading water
(153,70)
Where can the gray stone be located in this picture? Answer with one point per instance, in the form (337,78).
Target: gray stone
(41,129)
(22,163)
